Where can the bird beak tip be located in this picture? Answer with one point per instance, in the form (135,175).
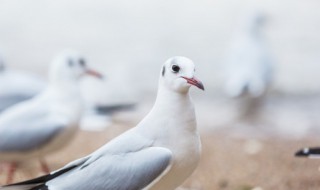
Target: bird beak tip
(201,86)
(94,73)
(195,82)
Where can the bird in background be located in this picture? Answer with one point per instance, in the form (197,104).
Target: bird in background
(248,65)
(100,106)
(34,128)
(17,86)
(312,152)
(158,154)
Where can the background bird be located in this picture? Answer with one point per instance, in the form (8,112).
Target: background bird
(35,128)
(159,153)
(312,152)
(17,86)
(248,65)
(103,99)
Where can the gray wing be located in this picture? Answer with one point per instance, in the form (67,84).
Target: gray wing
(110,109)
(7,101)
(129,171)
(27,135)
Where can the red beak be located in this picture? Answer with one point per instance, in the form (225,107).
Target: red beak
(94,73)
(194,81)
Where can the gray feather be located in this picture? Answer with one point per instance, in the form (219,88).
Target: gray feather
(131,171)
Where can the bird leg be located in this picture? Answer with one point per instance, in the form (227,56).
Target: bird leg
(1,167)
(44,166)
(11,170)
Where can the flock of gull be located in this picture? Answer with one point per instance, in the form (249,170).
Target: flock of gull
(159,153)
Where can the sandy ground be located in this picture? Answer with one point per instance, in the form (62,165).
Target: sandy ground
(228,162)
(225,163)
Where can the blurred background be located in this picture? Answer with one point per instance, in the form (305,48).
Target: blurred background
(129,41)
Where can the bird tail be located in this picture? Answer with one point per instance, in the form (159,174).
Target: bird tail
(33,184)
(25,187)
(309,152)
(37,183)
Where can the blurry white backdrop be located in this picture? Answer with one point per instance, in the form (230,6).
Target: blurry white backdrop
(129,40)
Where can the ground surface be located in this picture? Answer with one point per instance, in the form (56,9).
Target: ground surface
(227,163)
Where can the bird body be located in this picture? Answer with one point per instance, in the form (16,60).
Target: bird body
(17,86)
(54,120)
(248,63)
(39,126)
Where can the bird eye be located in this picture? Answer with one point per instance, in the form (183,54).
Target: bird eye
(175,68)
(82,62)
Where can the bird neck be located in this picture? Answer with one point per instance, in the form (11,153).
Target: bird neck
(65,100)
(172,108)
(65,91)
(169,99)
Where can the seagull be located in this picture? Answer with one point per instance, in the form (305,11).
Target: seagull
(37,127)
(248,65)
(159,153)
(17,86)
(98,117)
(103,99)
(313,152)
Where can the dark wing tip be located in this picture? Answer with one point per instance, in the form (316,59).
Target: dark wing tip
(306,152)
(302,153)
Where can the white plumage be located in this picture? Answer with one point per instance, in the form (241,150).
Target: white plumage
(36,127)
(159,153)
(248,65)
(17,86)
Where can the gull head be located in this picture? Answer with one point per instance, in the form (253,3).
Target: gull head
(71,66)
(178,74)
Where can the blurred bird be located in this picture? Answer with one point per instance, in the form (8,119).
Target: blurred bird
(105,98)
(98,116)
(313,152)
(248,65)
(17,86)
(159,153)
(36,127)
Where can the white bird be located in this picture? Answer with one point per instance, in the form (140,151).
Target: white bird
(248,65)
(17,86)
(158,154)
(98,116)
(35,128)
(103,99)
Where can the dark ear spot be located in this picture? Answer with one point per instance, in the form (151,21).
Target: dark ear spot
(1,66)
(70,62)
(163,71)
(82,62)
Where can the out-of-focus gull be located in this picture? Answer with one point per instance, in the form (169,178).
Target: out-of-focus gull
(98,117)
(103,99)
(248,64)
(313,152)
(159,153)
(17,86)
(36,127)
